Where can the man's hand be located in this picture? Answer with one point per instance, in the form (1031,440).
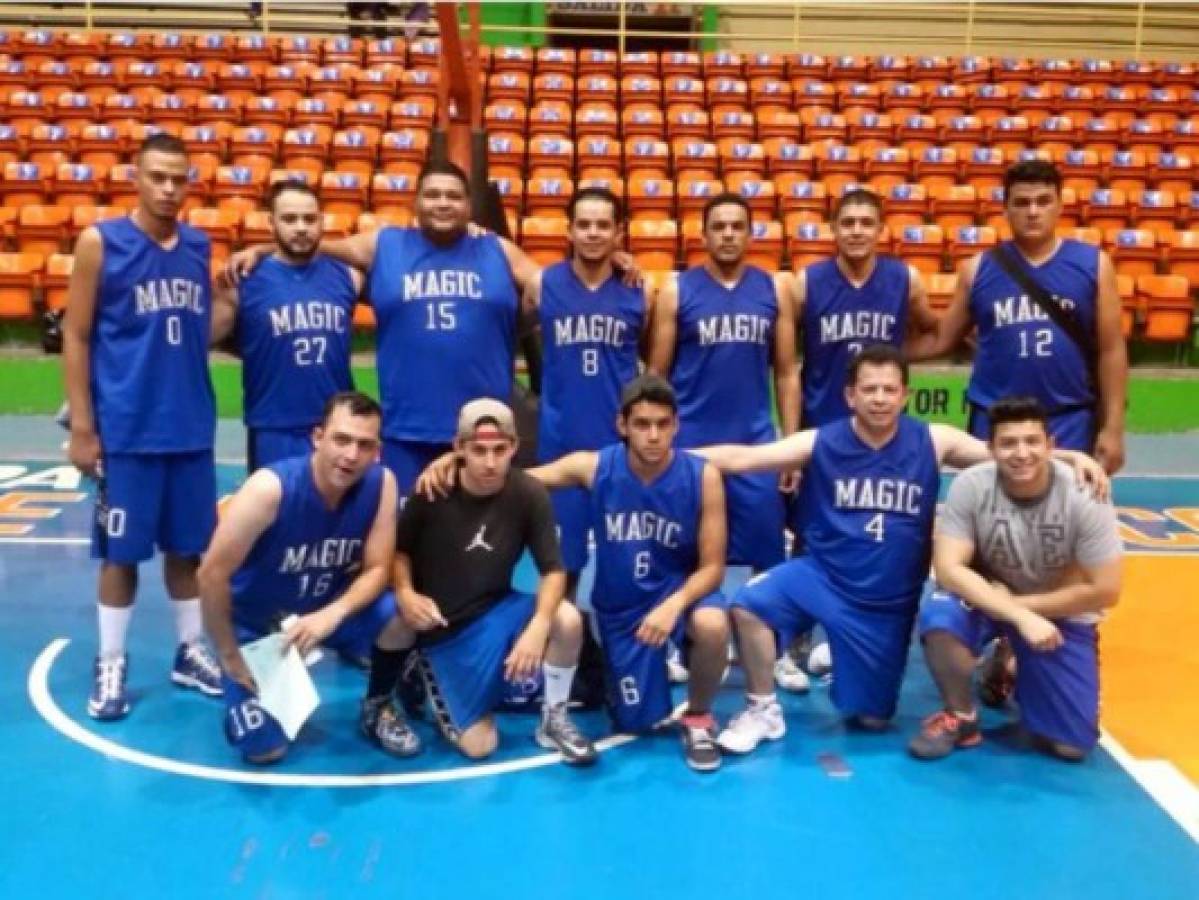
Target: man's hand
(1090,474)
(437,480)
(626,263)
(657,626)
(235,668)
(1109,450)
(307,632)
(83,451)
(241,264)
(1040,634)
(421,613)
(789,481)
(527,652)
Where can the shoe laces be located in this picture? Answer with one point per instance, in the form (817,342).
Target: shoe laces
(111,674)
(198,655)
(941,722)
(558,721)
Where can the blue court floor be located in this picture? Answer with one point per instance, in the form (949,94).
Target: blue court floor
(158,805)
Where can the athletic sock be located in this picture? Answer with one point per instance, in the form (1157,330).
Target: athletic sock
(189,620)
(114,623)
(557,683)
(386,666)
(761,701)
(966,716)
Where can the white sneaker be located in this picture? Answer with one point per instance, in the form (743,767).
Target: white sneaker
(676,672)
(751,726)
(789,676)
(820,660)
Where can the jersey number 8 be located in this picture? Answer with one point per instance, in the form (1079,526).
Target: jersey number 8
(591,362)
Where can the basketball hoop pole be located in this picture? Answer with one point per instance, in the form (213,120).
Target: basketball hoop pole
(459,136)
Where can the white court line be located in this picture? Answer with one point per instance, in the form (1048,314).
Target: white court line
(1172,790)
(43,702)
(45,540)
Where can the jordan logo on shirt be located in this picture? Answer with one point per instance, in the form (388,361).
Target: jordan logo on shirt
(478,541)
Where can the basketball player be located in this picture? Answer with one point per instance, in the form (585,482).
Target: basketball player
(291,317)
(717,336)
(453,576)
(1020,552)
(659,522)
(312,537)
(870,487)
(142,412)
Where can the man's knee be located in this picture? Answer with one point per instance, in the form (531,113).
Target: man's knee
(568,622)
(480,740)
(265,759)
(709,626)
(396,635)
(1060,749)
(744,620)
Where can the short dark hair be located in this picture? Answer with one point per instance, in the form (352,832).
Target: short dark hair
(358,404)
(285,185)
(162,142)
(1017,409)
(728,198)
(857,196)
(1031,171)
(878,355)
(442,167)
(595,192)
(647,388)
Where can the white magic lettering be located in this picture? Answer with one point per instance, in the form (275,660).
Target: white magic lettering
(880,494)
(736,328)
(311,315)
(642,526)
(861,325)
(443,284)
(168,294)
(1017,310)
(330,553)
(589,329)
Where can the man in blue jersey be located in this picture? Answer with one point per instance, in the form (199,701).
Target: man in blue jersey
(870,487)
(1018,551)
(718,335)
(592,331)
(291,318)
(135,348)
(659,522)
(474,634)
(309,537)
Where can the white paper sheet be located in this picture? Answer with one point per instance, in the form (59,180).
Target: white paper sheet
(285,690)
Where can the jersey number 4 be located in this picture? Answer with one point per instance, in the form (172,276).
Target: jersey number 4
(875,527)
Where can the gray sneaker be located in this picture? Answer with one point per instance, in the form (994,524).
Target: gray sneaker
(384,725)
(699,742)
(942,733)
(557,732)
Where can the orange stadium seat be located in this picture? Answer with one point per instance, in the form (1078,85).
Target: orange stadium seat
(765,245)
(849,68)
(1169,308)
(1081,170)
(18,278)
(824,128)
(775,125)
(1133,250)
(890,69)
(237,187)
(694,250)
(222,226)
(1145,136)
(1172,172)
(393,193)
(377,84)
(312,112)
(809,242)
(770,92)
(416,112)
(10,145)
(940,287)
(374,221)
(1184,135)
(547,196)
(192,80)
(948,99)
(858,97)
(788,157)
(506,115)
(552,118)
(48,145)
(654,242)
(78,184)
(727,93)
(685,90)
(1127,171)
(962,133)
(737,155)
(513,59)
(286,83)
(551,156)
(299,49)
(405,150)
(1182,254)
(217,110)
(936,166)
(1126,290)
(75,107)
(238,80)
(596,89)
(758,192)
(170,110)
(990,102)
(342,49)
(1077,100)
(1056,134)
(886,167)
(954,206)
(79,47)
(544,239)
(1101,134)
(615,185)
(694,158)
(817,96)
(647,157)
(738,125)
(922,246)
(904,205)
(254,144)
(1106,209)
(1036,101)
(596,120)
(871,131)
(916,133)
(84,216)
(801,200)
(1156,210)
(650,197)
(306,149)
(681,62)
(641,89)
(512,86)
(807,65)
(42,229)
(694,193)
(344,192)
(723,64)
(591,60)
(333,84)
(1011,134)
(903,98)
(966,242)
(26,109)
(1092,236)
(687,123)
(24,184)
(560,60)
(838,165)
(385,51)
(765,65)
(354,150)
(56,280)
(929,71)
(598,157)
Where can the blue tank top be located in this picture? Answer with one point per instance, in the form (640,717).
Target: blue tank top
(446,329)
(1020,350)
(293,331)
(721,370)
(310,553)
(149,345)
(589,344)
(838,321)
(867,515)
(646,535)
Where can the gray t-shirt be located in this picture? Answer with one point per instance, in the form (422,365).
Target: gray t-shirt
(1029,544)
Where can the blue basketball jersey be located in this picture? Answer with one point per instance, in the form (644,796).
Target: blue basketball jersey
(310,553)
(149,345)
(293,331)
(722,361)
(1020,349)
(446,329)
(868,514)
(646,535)
(590,342)
(840,319)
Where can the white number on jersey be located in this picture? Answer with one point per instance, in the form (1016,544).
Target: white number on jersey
(1042,343)
(854,347)
(441,316)
(245,718)
(174,330)
(591,362)
(320,585)
(641,564)
(114,526)
(875,527)
(628,691)
(309,351)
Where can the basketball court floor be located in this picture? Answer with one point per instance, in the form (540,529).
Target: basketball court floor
(158,804)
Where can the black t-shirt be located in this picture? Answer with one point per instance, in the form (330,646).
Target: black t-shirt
(464,548)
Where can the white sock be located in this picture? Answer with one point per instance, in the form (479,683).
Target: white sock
(189,620)
(557,683)
(114,623)
(761,701)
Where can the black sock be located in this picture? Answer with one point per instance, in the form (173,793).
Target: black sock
(386,666)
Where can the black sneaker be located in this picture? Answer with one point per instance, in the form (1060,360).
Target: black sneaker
(556,731)
(997,675)
(699,742)
(385,726)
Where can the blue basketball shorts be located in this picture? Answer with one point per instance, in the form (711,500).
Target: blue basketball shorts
(638,687)
(572,512)
(754,509)
(270,445)
(355,636)
(1058,692)
(249,728)
(407,459)
(146,500)
(869,642)
(464,674)
(1072,429)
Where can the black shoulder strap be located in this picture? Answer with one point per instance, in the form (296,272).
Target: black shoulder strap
(1062,318)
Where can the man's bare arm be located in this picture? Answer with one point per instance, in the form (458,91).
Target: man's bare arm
(663,331)
(84,450)
(1112,371)
(791,452)
(950,328)
(224,312)
(572,470)
(786,368)
(1086,590)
